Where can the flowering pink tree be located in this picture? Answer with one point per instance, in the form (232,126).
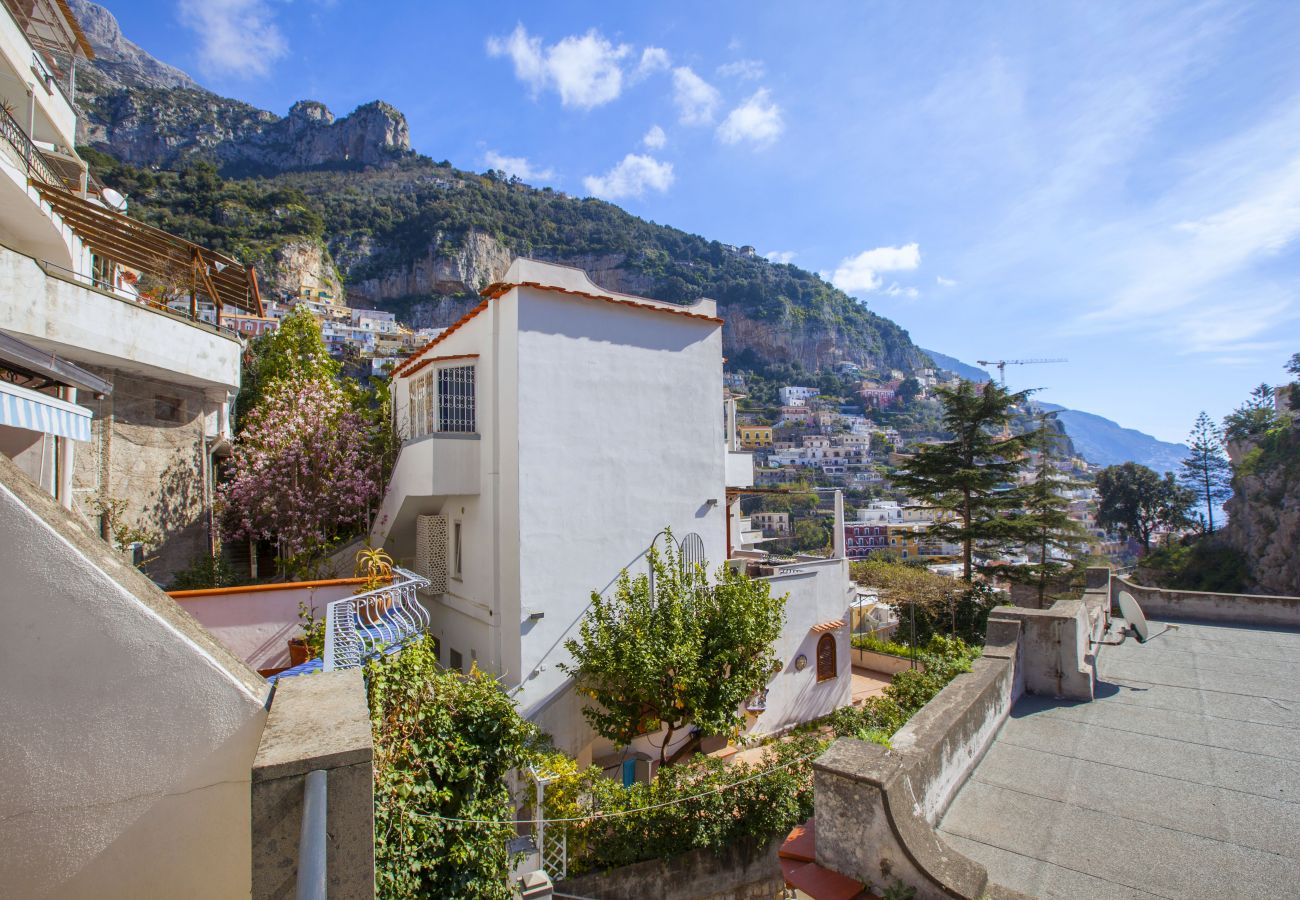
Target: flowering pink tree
(302,472)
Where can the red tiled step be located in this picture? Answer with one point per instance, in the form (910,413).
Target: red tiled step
(798,854)
(823,884)
(800,844)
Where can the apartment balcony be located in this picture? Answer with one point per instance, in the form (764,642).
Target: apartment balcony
(739,469)
(56,312)
(429,469)
(40,43)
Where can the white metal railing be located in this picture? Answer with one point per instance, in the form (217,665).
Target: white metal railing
(356,628)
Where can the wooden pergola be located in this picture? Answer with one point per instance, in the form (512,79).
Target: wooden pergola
(183,266)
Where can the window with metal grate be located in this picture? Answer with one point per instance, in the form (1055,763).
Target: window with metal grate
(456,399)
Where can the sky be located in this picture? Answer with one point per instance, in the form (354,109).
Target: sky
(1116,184)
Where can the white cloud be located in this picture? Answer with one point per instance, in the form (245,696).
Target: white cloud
(525,52)
(655,138)
(631,178)
(944,282)
(757,120)
(653,59)
(586,71)
(862,272)
(236,37)
(780,257)
(897,290)
(696,99)
(518,166)
(742,69)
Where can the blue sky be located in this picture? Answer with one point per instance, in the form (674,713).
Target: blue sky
(1115,183)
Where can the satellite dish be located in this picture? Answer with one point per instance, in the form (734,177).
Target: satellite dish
(1132,613)
(113,199)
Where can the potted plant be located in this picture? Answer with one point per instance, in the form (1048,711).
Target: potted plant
(376,567)
(312,643)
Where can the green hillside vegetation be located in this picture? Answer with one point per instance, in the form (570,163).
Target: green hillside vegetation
(404,212)
(247,219)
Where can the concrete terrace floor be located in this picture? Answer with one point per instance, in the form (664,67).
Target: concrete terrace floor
(1182,779)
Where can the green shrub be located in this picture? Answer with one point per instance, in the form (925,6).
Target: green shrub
(699,815)
(759,809)
(874,644)
(1204,564)
(444,743)
(205,571)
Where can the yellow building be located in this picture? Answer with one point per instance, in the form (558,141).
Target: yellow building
(905,540)
(755,437)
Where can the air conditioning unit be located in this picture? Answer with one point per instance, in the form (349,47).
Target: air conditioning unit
(431,542)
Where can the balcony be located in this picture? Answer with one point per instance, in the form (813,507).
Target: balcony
(66,315)
(429,469)
(739,469)
(40,42)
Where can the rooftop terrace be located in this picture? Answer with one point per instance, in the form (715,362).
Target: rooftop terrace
(1182,778)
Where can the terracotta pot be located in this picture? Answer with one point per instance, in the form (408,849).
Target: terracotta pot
(299,652)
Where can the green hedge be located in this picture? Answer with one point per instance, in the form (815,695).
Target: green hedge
(769,805)
(867,642)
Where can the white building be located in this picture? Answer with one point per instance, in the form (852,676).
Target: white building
(796,395)
(547,438)
(85,284)
(129,735)
(375,320)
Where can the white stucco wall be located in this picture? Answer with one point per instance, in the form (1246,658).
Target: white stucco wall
(820,593)
(55,120)
(128,733)
(620,436)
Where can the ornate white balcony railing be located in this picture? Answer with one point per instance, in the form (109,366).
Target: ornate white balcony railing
(357,628)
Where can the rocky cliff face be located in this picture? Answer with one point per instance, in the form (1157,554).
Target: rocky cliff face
(443,269)
(122,62)
(148,113)
(1264,512)
(299,264)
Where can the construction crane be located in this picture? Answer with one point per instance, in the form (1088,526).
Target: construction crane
(1003,363)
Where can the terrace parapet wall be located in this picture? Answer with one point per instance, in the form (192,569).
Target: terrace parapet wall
(1233,609)
(317,722)
(876,808)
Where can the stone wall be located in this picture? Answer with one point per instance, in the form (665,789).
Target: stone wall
(876,807)
(1243,609)
(147,448)
(742,871)
(317,723)
(882,662)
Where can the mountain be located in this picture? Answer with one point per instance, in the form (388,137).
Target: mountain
(956,366)
(1105,443)
(415,236)
(151,114)
(119,61)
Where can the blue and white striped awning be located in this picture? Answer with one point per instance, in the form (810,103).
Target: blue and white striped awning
(22,407)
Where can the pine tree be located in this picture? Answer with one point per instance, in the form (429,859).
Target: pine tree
(1255,417)
(969,475)
(1046,529)
(1206,469)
